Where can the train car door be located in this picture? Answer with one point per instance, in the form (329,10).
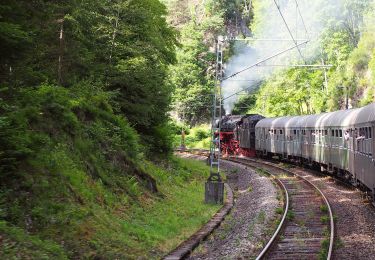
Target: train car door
(264,139)
(373,160)
(352,150)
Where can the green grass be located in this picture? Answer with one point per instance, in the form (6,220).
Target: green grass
(74,182)
(324,219)
(290,215)
(262,172)
(324,249)
(181,212)
(15,243)
(87,220)
(261,217)
(324,208)
(279,211)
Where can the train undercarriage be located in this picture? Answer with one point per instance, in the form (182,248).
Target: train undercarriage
(340,174)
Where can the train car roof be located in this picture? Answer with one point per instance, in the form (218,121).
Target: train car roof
(343,118)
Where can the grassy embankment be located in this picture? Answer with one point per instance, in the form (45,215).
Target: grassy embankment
(74,183)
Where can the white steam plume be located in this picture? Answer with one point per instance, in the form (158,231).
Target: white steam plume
(271,26)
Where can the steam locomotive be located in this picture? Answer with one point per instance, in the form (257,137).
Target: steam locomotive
(237,134)
(341,142)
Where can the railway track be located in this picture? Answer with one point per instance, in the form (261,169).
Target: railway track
(306,230)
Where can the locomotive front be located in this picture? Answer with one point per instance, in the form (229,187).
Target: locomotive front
(229,134)
(237,134)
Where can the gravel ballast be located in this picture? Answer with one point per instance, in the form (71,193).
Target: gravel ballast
(247,228)
(355,217)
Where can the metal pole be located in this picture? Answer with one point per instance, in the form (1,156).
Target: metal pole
(325,77)
(269,39)
(214,187)
(297,66)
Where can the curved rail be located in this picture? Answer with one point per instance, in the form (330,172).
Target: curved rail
(332,224)
(272,240)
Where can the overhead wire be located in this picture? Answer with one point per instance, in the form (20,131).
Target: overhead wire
(291,34)
(242,90)
(266,59)
(303,22)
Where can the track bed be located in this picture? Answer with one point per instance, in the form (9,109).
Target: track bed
(307,229)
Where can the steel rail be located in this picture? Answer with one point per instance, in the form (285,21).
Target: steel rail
(329,255)
(273,238)
(270,243)
(286,208)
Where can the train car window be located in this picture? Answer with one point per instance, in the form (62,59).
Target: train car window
(281,132)
(333,132)
(362,132)
(295,132)
(370,132)
(325,132)
(337,133)
(366,133)
(340,133)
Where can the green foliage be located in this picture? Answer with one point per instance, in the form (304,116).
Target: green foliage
(70,187)
(324,219)
(17,243)
(348,43)
(244,104)
(196,137)
(124,46)
(290,215)
(91,206)
(324,249)
(83,98)
(193,75)
(303,94)
(324,208)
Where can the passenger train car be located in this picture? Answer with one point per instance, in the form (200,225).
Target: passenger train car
(341,142)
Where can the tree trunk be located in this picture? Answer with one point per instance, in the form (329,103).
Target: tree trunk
(61,51)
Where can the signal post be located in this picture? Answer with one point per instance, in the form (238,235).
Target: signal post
(214,186)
